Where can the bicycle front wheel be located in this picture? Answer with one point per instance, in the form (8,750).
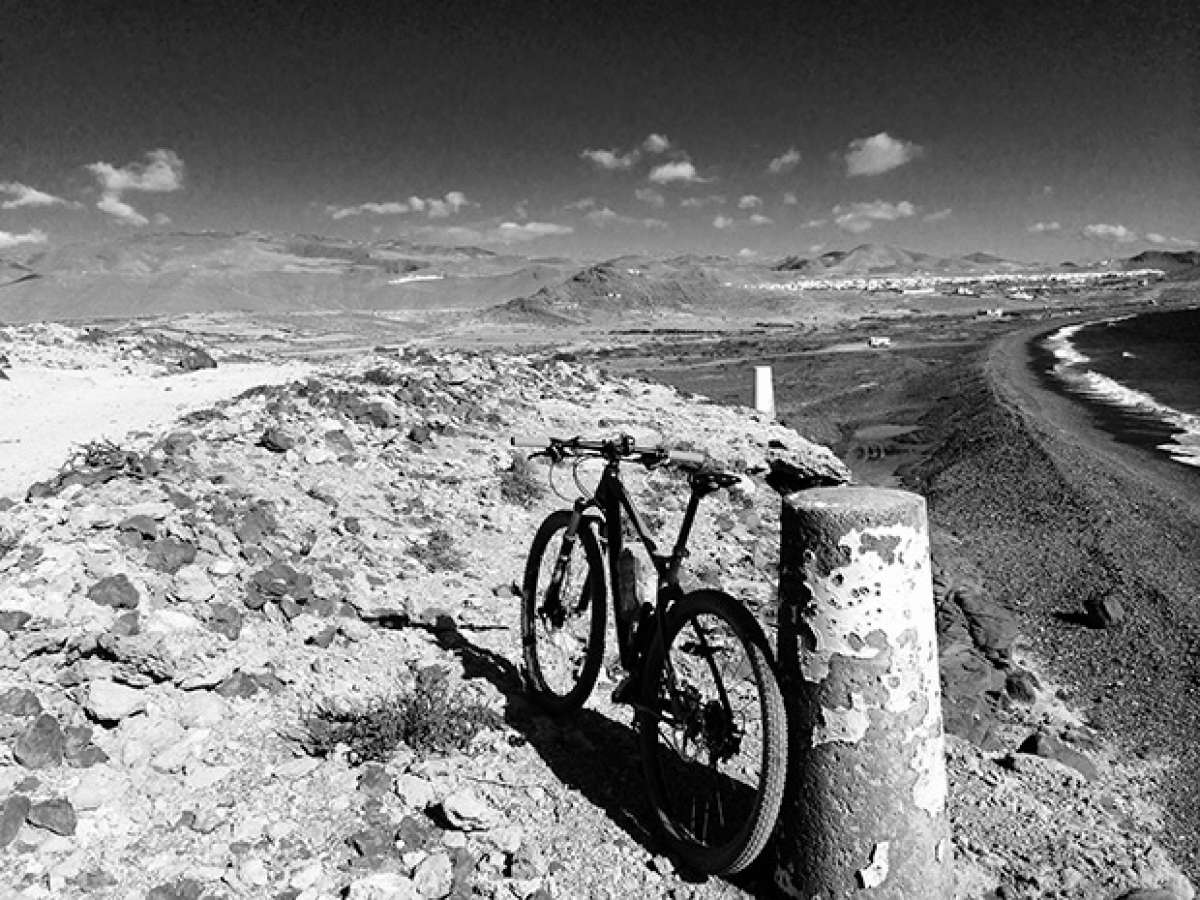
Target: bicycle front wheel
(562,614)
(713,733)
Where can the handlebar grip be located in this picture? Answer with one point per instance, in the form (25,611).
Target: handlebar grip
(687,457)
(530,440)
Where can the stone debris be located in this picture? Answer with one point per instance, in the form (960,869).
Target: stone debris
(170,615)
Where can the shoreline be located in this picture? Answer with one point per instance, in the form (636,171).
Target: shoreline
(1058,513)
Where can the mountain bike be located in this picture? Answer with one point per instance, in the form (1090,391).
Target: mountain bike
(708,711)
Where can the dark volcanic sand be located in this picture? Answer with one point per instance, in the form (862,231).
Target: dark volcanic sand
(1051,510)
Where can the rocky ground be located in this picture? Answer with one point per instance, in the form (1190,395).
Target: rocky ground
(206,634)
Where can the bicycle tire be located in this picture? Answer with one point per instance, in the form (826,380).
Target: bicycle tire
(563,658)
(681,721)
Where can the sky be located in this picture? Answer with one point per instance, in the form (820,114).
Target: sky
(1041,131)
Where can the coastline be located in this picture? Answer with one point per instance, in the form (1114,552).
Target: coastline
(1056,513)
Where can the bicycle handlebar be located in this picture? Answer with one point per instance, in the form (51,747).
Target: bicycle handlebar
(624,446)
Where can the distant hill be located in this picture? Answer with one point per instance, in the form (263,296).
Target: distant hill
(885,259)
(151,274)
(1179,265)
(619,288)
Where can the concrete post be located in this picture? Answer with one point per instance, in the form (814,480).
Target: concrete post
(864,808)
(764,391)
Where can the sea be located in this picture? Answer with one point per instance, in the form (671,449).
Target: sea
(1140,375)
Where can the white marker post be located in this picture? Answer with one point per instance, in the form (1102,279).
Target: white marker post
(764,391)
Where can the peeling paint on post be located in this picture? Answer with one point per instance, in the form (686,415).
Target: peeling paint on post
(864,808)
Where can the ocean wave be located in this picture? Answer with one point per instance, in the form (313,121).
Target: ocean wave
(1070,368)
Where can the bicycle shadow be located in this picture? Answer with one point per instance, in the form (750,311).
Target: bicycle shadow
(588,752)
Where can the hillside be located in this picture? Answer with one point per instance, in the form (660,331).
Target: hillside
(170,274)
(613,291)
(884,259)
(183,623)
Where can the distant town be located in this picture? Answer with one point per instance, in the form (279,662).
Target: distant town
(1016,285)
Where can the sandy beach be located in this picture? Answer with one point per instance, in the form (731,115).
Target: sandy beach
(1056,514)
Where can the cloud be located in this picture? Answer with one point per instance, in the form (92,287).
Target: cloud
(434,207)
(879,153)
(651,196)
(815,223)
(448,206)
(680,170)
(1161,239)
(790,199)
(603,217)
(939,215)
(785,162)
(521,209)
(859,217)
(119,209)
(581,204)
(656,143)
(610,160)
(749,201)
(747,253)
(722,222)
(607,218)
(34,236)
(1043,227)
(1103,232)
(518,232)
(758,219)
(23,195)
(161,173)
(701,202)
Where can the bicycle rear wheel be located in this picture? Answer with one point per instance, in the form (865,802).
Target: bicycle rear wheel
(562,614)
(713,733)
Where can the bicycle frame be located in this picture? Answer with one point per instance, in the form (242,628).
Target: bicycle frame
(612,501)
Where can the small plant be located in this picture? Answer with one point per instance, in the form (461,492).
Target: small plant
(519,483)
(430,718)
(382,376)
(438,553)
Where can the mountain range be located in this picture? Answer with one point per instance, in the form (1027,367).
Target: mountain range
(165,274)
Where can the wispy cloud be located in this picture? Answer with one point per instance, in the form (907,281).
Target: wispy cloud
(161,173)
(610,160)
(656,143)
(879,153)
(1044,227)
(34,236)
(1163,240)
(608,218)
(581,204)
(23,195)
(790,199)
(519,232)
(938,216)
(119,209)
(680,171)
(434,207)
(749,201)
(651,197)
(1103,232)
(784,162)
(815,223)
(701,202)
(859,217)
